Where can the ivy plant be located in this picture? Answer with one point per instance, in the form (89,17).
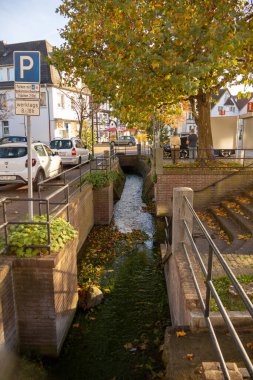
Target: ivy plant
(101,178)
(23,235)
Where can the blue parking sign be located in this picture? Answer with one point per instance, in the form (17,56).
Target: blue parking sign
(27,66)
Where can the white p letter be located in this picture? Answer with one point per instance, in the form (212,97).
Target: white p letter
(24,67)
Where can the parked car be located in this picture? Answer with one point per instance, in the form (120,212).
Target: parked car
(72,151)
(184,150)
(14,163)
(12,139)
(124,140)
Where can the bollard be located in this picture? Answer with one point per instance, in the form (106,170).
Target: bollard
(138,149)
(181,212)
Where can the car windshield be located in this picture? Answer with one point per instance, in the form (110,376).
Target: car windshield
(61,144)
(13,152)
(13,139)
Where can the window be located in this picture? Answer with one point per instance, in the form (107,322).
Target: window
(10,74)
(79,144)
(40,150)
(43,99)
(2,79)
(2,101)
(220,108)
(232,109)
(13,152)
(60,102)
(48,150)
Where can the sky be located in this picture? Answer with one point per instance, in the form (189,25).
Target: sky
(30,20)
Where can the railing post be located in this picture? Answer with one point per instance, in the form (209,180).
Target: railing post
(181,213)
(139,149)
(208,279)
(159,160)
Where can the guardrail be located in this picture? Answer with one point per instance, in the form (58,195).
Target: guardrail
(243,157)
(55,203)
(182,239)
(51,214)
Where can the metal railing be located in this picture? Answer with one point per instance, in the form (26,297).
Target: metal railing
(55,203)
(242,157)
(50,216)
(211,291)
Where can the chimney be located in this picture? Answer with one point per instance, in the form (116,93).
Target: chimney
(2,47)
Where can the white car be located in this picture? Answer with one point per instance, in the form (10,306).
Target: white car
(14,162)
(72,151)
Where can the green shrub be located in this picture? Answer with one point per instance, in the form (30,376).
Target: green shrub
(23,235)
(101,178)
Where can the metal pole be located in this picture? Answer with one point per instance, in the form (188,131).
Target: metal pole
(30,179)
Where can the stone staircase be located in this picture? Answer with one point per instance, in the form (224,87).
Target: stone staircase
(230,224)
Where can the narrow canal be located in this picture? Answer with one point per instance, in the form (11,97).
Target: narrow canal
(121,339)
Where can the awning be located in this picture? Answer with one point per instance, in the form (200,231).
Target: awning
(113,129)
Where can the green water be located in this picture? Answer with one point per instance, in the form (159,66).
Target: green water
(122,338)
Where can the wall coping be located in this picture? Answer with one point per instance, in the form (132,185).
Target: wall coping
(46,261)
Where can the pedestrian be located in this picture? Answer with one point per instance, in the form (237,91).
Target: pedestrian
(192,144)
(175,143)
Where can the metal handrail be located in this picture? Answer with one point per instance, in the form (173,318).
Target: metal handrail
(210,290)
(50,216)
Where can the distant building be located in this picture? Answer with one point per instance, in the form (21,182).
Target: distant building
(58,114)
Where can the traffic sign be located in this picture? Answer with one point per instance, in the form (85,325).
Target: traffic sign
(27,66)
(27,87)
(27,95)
(27,107)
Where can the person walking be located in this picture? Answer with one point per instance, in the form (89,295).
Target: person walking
(175,143)
(192,144)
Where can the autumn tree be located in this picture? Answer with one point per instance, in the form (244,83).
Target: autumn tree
(146,54)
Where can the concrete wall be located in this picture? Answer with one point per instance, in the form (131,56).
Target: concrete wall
(209,186)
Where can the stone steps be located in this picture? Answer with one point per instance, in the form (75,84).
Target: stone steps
(234,217)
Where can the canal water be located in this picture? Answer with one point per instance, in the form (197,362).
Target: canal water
(122,338)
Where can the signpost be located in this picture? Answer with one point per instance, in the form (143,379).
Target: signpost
(27,101)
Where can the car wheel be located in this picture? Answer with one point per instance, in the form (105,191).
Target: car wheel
(39,178)
(225,153)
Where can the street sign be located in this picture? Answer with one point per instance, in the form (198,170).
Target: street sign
(27,66)
(27,95)
(27,102)
(27,107)
(31,87)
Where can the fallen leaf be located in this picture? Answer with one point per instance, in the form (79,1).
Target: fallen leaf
(180,333)
(128,346)
(250,345)
(189,356)
(161,348)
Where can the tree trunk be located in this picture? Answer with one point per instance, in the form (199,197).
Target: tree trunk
(205,140)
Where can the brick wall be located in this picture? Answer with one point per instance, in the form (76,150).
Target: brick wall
(46,298)
(8,326)
(103,205)
(38,296)
(209,186)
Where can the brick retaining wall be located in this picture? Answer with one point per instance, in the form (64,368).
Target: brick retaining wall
(38,296)
(103,205)
(209,186)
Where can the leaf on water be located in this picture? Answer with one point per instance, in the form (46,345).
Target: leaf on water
(180,333)
(143,346)
(250,345)
(243,237)
(128,346)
